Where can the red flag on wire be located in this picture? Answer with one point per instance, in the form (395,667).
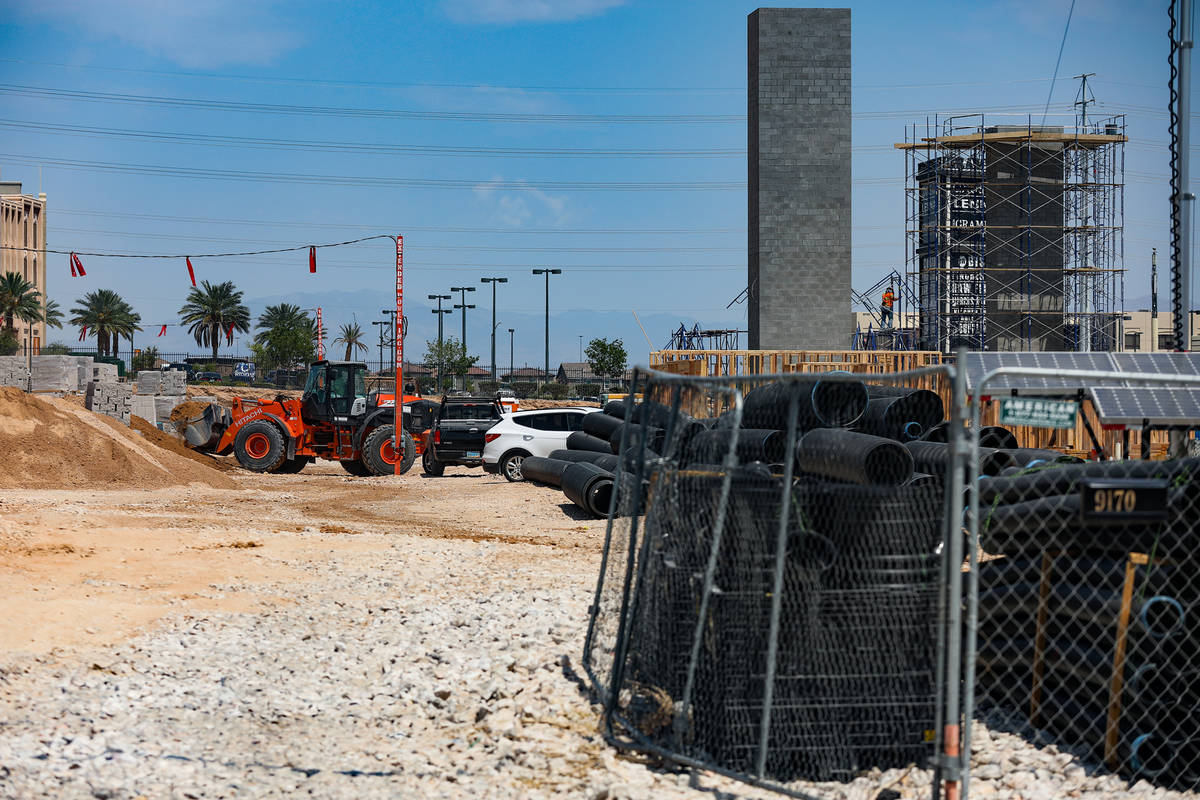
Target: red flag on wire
(312,259)
(162,331)
(77,270)
(191,272)
(83,333)
(229,333)
(71,264)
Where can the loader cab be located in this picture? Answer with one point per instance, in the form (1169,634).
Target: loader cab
(335,392)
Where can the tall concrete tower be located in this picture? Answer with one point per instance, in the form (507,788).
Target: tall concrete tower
(799,182)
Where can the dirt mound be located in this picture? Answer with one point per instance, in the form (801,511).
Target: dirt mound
(53,444)
(186,410)
(176,445)
(225,394)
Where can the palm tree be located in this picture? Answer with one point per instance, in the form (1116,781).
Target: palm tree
(106,314)
(352,337)
(52,314)
(214,311)
(282,316)
(19,299)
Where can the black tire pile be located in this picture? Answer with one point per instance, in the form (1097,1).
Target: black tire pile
(1035,521)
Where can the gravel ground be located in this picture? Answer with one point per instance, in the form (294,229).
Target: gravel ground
(432,663)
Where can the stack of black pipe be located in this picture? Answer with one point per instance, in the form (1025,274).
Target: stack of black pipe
(1080,570)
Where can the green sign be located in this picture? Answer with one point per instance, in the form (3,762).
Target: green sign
(1038,412)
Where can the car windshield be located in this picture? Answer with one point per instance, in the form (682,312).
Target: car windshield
(456,411)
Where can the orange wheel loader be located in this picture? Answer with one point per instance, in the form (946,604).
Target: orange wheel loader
(334,419)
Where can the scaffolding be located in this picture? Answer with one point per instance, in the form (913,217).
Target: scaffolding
(1014,233)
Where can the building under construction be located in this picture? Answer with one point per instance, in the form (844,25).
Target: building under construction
(1015,234)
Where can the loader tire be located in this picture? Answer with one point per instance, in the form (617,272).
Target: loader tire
(380,456)
(259,446)
(356,468)
(291,466)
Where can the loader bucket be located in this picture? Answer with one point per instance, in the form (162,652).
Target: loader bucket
(202,431)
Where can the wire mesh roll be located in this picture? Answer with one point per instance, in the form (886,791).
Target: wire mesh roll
(764,444)
(854,457)
(934,458)
(544,470)
(820,403)
(578,440)
(600,425)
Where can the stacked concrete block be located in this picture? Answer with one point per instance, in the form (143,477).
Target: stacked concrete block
(110,398)
(143,405)
(14,372)
(56,374)
(105,373)
(149,381)
(174,382)
(84,366)
(164,404)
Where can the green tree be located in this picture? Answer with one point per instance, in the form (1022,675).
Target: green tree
(107,316)
(52,314)
(147,359)
(287,338)
(213,311)
(451,356)
(352,336)
(607,358)
(56,349)
(19,299)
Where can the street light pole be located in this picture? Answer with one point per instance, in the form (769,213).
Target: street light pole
(440,311)
(462,295)
(493,282)
(547,272)
(510,355)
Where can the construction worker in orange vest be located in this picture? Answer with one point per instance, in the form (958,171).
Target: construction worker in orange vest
(885,308)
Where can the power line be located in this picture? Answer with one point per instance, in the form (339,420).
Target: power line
(372,180)
(196,255)
(367,147)
(1058,63)
(367,113)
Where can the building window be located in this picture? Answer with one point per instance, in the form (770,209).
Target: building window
(1166,341)
(1133,341)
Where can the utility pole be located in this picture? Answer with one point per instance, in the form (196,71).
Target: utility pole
(1181,202)
(390,313)
(380,324)
(440,312)
(1153,299)
(493,282)
(581,347)
(1085,96)
(462,293)
(510,354)
(547,272)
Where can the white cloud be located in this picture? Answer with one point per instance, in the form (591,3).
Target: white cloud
(208,34)
(508,11)
(516,208)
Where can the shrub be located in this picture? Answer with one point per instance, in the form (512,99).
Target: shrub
(56,349)
(489,387)
(587,389)
(9,343)
(556,391)
(524,388)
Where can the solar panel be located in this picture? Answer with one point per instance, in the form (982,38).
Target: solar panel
(1157,364)
(979,364)
(1158,406)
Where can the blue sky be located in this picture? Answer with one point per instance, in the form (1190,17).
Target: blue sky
(600,136)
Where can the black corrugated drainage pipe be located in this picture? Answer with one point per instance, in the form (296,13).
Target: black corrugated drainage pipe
(1064,478)
(901,417)
(762,444)
(578,440)
(934,458)
(606,461)
(1027,457)
(996,436)
(600,425)
(855,457)
(589,487)
(654,439)
(615,408)
(820,403)
(544,470)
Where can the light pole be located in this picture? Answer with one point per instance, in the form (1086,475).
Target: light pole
(510,355)
(440,312)
(581,347)
(547,272)
(493,282)
(462,296)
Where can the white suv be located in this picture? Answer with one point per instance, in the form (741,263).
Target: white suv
(529,433)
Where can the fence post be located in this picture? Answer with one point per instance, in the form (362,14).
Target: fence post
(952,741)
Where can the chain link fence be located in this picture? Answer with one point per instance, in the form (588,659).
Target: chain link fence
(1082,600)
(769,603)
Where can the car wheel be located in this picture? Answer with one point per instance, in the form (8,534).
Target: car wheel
(431,466)
(259,446)
(380,455)
(510,465)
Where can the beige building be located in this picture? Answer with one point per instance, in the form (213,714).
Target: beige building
(1145,335)
(23,225)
